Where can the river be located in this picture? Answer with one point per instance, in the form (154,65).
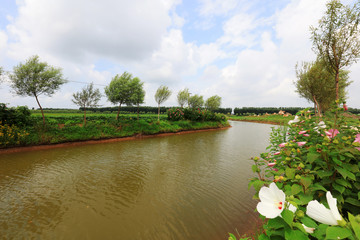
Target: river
(190,186)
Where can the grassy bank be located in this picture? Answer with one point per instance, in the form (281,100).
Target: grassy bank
(281,120)
(68,127)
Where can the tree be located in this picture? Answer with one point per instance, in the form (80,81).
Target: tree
(314,83)
(34,78)
(87,97)
(161,95)
(137,93)
(196,101)
(336,40)
(213,103)
(119,90)
(183,97)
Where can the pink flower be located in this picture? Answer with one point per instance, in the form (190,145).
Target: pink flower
(271,164)
(275,169)
(301,143)
(345,107)
(282,144)
(302,132)
(358,148)
(277,153)
(357,138)
(306,135)
(332,133)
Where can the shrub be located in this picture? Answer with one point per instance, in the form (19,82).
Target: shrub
(307,161)
(19,116)
(175,114)
(11,135)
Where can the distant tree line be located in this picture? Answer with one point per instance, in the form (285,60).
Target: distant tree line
(263,110)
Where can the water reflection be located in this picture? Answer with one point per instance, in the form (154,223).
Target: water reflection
(190,186)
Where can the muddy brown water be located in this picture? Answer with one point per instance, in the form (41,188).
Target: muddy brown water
(191,186)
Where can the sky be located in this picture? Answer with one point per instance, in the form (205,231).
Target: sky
(244,51)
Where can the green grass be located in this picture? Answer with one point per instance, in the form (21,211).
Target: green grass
(68,127)
(275,119)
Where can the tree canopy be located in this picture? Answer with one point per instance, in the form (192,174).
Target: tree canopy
(119,90)
(337,38)
(137,93)
(161,95)
(196,101)
(213,102)
(34,78)
(314,83)
(87,97)
(183,97)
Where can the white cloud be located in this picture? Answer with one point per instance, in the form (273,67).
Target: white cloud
(79,30)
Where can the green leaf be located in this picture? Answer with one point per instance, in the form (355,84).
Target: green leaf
(353,201)
(338,188)
(358,195)
(345,173)
(304,199)
(337,233)
(355,225)
(309,222)
(290,173)
(296,234)
(343,182)
(263,237)
(318,186)
(276,223)
(288,217)
(323,173)
(311,157)
(232,236)
(295,189)
(306,181)
(254,168)
(300,227)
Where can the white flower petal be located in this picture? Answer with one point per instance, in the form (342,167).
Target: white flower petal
(333,207)
(292,208)
(320,213)
(308,229)
(280,195)
(268,210)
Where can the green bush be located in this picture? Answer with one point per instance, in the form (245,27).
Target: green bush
(175,114)
(19,116)
(308,160)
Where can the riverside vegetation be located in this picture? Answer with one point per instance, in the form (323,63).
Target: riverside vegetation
(312,170)
(20,127)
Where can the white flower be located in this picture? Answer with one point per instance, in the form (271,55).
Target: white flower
(308,229)
(320,213)
(296,119)
(272,201)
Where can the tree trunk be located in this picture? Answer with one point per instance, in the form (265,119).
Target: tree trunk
(158,112)
(84,115)
(317,106)
(138,112)
(117,116)
(337,85)
(42,112)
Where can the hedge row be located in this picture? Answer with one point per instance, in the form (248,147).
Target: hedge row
(263,110)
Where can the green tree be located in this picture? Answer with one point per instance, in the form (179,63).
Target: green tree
(213,103)
(119,90)
(161,95)
(183,97)
(196,101)
(137,93)
(336,39)
(314,83)
(87,97)
(34,78)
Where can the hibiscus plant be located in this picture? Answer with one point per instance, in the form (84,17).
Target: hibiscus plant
(308,181)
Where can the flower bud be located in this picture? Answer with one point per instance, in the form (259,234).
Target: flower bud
(342,223)
(300,214)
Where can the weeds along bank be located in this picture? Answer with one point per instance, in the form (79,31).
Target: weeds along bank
(308,182)
(18,127)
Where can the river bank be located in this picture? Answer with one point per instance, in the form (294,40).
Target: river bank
(15,149)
